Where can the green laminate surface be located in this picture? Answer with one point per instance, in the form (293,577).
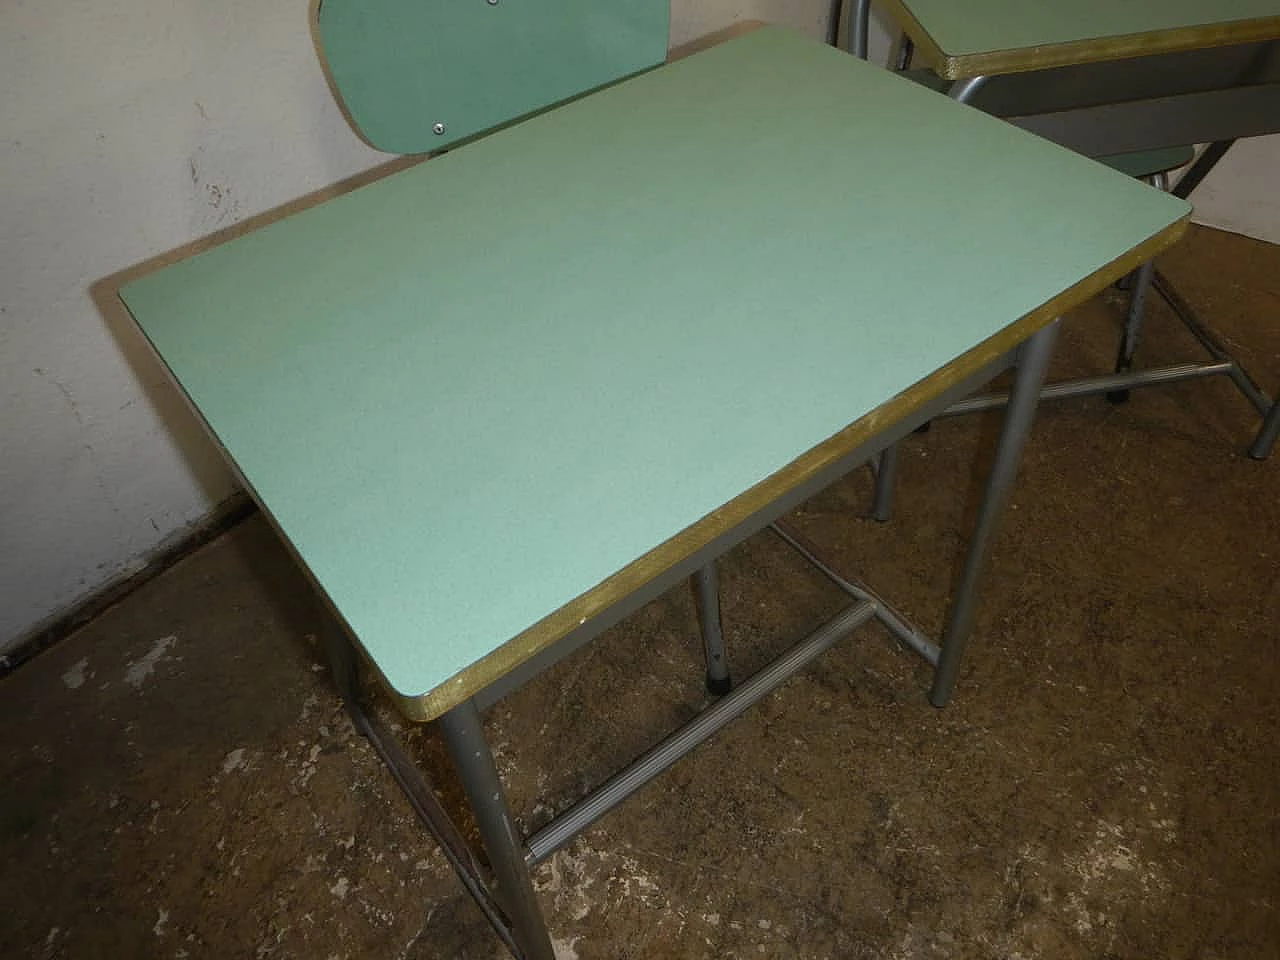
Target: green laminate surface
(472,391)
(965,27)
(401,67)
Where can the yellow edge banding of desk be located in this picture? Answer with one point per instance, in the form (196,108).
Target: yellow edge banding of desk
(635,575)
(1047,56)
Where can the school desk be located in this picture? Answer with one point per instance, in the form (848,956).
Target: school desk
(499,400)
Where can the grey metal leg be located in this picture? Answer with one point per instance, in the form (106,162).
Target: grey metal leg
(1133,325)
(346,675)
(707,594)
(886,482)
(859,27)
(1033,361)
(1140,287)
(1211,344)
(464,736)
(1267,436)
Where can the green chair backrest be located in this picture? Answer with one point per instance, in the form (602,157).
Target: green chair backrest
(418,75)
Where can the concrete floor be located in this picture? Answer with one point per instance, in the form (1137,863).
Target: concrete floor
(179,780)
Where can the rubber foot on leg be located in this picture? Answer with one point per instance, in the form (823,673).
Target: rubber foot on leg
(719,686)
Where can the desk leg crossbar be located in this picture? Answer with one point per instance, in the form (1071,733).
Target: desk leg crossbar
(1118,384)
(505,891)
(509,901)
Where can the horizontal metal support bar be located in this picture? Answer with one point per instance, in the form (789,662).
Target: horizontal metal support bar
(1224,364)
(594,626)
(1088,386)
(897,624)
(626,782)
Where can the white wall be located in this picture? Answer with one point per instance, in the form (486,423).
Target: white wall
(1241,194)
(691,19)
(129,128)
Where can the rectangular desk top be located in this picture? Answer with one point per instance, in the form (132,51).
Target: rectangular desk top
(990,37)
(486,397)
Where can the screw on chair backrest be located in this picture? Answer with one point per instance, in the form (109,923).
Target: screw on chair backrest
(417,75)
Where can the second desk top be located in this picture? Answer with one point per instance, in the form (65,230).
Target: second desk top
(476,390)
(962,39)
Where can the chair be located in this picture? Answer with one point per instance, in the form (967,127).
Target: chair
(416,76)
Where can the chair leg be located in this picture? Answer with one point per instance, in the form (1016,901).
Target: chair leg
(1268,435)
(1200,169)
(1140,285)
(706,593)
(464,737)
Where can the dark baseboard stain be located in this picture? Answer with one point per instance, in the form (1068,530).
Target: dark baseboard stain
(228,514)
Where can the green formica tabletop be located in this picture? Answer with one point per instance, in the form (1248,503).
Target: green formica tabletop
(966,38)
(488,395)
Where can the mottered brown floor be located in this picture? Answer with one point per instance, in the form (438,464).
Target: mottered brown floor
(179,780)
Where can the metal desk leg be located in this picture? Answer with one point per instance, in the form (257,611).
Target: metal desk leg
(417,790)
(1268,435)
(464,735)
(886,484)
(707,595)
(1133,325)
(1141,281)
(1033,361)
